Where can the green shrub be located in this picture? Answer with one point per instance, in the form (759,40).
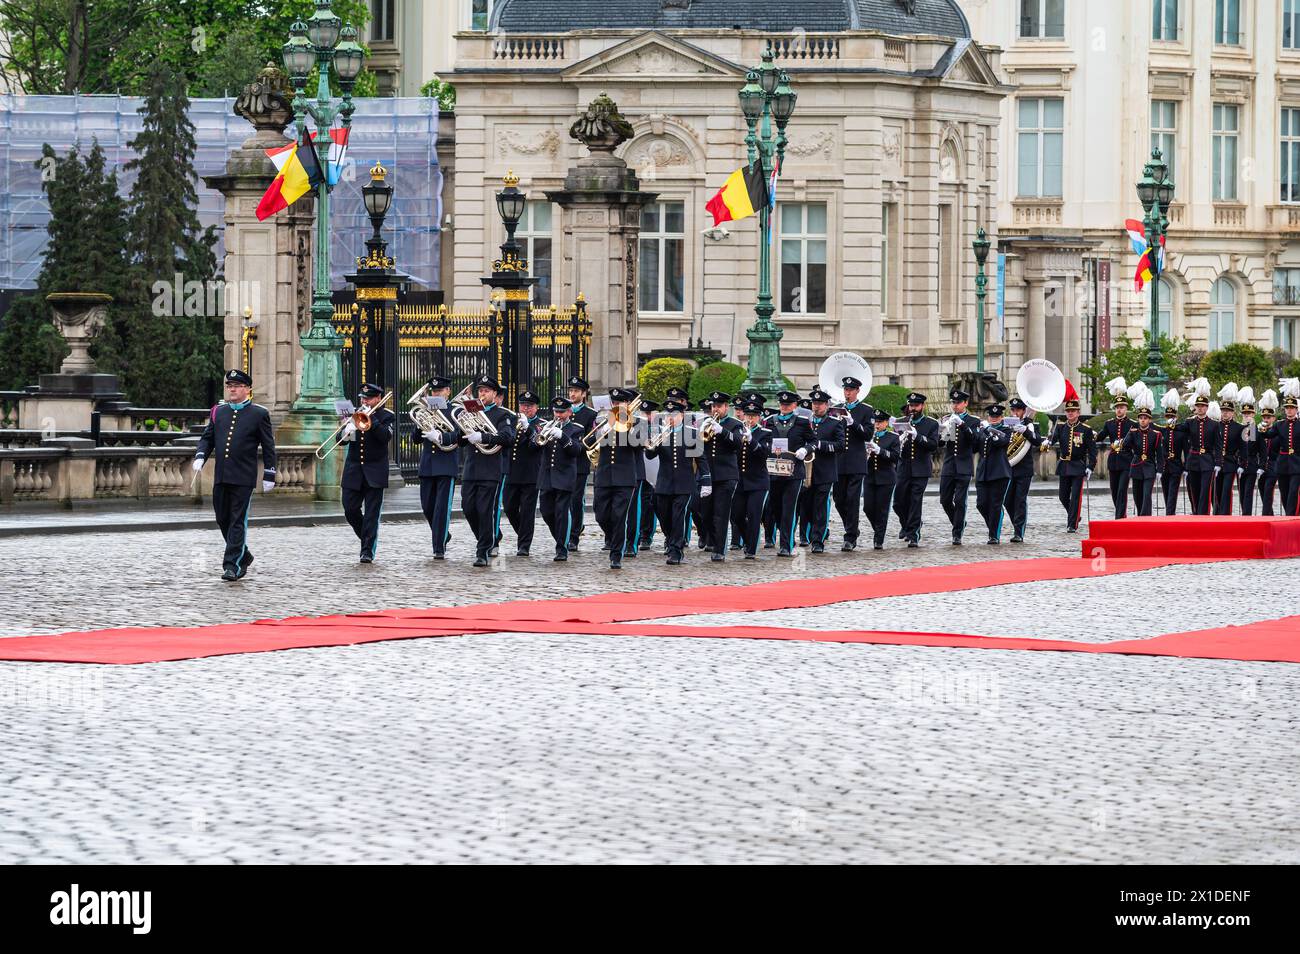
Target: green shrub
(1129,361)
(889,397)
(1241,363)
(657,376)
(719,376)
(1292,370)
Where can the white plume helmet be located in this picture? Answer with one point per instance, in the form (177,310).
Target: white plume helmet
(1146,399)
(1268,400)
(1290,387)
(1198,388)
(1228,393)
(1136,390)
(1171,400)
(1214,413)
(1246,396)
(1117,386)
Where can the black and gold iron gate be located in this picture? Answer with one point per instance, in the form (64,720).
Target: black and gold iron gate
(545,346)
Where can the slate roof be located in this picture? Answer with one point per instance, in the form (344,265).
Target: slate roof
(931,17)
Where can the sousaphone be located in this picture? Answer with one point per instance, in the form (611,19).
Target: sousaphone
(843,364)
(1041,385)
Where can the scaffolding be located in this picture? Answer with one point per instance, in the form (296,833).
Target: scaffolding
(402,133)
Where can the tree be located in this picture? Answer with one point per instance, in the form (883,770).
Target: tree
(1243,364)
(1129,361)
(442,91)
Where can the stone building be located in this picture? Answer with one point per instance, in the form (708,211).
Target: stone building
(892,166)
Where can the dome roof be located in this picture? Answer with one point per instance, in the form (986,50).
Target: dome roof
(901,17)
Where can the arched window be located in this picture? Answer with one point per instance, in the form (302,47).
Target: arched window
(1165,308)
(1223,314)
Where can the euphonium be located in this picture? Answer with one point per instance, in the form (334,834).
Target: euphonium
(427,418)
(473,421)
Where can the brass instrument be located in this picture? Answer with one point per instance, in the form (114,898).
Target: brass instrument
(546,434)
(620,418)
(470,417)
(709,429)
(360,418)
(1041,385)
(427,418)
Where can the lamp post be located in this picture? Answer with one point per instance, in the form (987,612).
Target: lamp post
(322,41)
(510,362)
(766,97)
(1156,190)
(981,246)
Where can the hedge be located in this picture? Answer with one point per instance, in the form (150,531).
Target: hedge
(719,376)
(889,397)
(657,376)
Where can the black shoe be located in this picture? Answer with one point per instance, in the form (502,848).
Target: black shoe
(480,561)
(770,545)
(785,553)
(1017,539)
(818,548)
(877,546)
(848,547)
(560,558)
(573,545)
(1071,530)
(493,552)
(735,546)
(646,543)
(440,556)
(994,541)
(902,534)
(718,558)
(367,558)
(912,544)
(605,547)
(956,540)
(230,576)
(246,561)
(616,564)
(674,561)
(751,556)
(521,553)
(629,554)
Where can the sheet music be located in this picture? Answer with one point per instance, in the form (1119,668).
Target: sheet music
(780,445)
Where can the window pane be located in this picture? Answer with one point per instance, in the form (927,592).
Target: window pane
(1029,17)
(816,252)
(541,268)
(674,217)
(792,219)
(791,292)
(1230,167)
(817,219)
(790,251)
(1055,25)
(1028,164)
(1029,114)
(1053,114)
(650,218)
(541,216)
(674,276)
(816,292)
(1233,26)
(1171,19)
(1216,176)
(480,15)
(649,277)
(1052,164)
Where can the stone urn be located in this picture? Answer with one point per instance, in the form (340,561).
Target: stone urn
(79,316)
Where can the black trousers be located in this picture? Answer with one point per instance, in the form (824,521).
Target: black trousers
(1119,480)
(990,497)
(612,504)
(751,504)
(578,509)
(1142,490)
(362,508)
(435,501)
(848,498)
(783,508)
(1070,493)
(519,501)
(1223,487)
(1171,482)
(908,497)
(557,514)
(819,513)
(1198,489)
(1267,484)
(636,515)
(231,504)
(699,516)
(481,502)
(875,504)
(953,489)
(1247,492)
(1290,487)
(717,510)
(1017,504)
(769,518)
(737,519)
(673,513)
(645,531)
(805,514)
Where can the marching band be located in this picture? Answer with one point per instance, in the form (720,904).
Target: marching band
(767,476)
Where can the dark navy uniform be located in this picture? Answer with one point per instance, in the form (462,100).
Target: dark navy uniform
(755,483)
(993,477)
(851,468)
(1173,445)
(365,474)
(519,501)
(1266,467)
(233,436)
(721,449)
(557,480)
(585,417)
(439,470)
(1201,435)
(1022,474)
(618,475)
(1143,447)
(1076,456)
(1284,443)
(878,486)
(682,468)
(1230,454)
(1119,463)
(783,492)
(484,479)
(957,470)
(915,468)
(827,442)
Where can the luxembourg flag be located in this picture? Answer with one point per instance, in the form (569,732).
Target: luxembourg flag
(1137,235)
(338,154)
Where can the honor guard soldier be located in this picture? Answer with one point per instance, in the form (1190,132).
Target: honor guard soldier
(641,515)
(1173,445)
(960,434)
(786,468)
(485,468)
(618,475)
(1118,463)
(1265,462)
(993,477)
(1229,451)
(1201,434)
(1076,455)
(561,445)
(878,487)
(682,467)
(365,470)
(1285,443)
(919,443)
(851,466)
(827,442)
(235,432)
(585,416)
(519,500)
(1143,447)
(439,468)
(1250,455)
(721,436)
(703,527)
(1022,472)
(755,483)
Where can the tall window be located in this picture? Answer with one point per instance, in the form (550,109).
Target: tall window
(480,14)
(534,234)
(662,280)
(1289,170)
(1286,286)
(1164,20)
(803,258)
(886,222)
(1291,24)
(1284,334)
(1042,19)
(1227,22)
(1041,126)
(1165,309)
(1224,148)
(947,263)
(1223,314)
(381,19)
(1164,132)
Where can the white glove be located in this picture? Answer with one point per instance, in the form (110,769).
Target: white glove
(1216,471)
(873,447)
(1018,428)
(433,437)
(1087,474)
(1260,471)
(267,485)
(349,431)
(474,437)
(1240,471)
(198,463)
(801,453)
(705,491)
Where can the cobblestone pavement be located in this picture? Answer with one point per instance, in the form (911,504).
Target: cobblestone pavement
(536,748)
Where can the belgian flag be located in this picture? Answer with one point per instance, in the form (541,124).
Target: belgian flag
(744,193)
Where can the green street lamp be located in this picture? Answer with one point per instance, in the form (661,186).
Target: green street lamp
(1156,191)
(766,98)
(321,41)
(981,246)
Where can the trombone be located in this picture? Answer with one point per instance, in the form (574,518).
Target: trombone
(360,418)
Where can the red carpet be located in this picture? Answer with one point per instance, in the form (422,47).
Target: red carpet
(610,614)
(1216,538)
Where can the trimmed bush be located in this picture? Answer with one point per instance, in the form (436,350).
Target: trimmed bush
(889,397)
(719,376)
(1292,370)
(1242,363)
(657,376)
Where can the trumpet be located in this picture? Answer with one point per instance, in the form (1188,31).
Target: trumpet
(548,433)
(709,429)
(470,417)
(620,419)
(360,419)
(427,418)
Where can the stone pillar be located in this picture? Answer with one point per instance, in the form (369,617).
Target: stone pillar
(601,221)
(267,264)
(64,401)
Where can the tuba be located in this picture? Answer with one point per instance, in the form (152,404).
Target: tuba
(1041,385)
(427,418)
(841,365)
(470,417)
